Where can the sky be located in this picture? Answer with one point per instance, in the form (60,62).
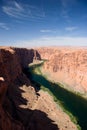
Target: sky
(27,23)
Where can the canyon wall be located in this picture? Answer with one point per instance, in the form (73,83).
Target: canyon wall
(26,56)
(21,107)
(16,92)
(67,65)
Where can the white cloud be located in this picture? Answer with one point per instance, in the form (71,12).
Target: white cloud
(54,41)
(18,6)
(19,10)
(4,26)
(14,9)
(48,31)
(71,28)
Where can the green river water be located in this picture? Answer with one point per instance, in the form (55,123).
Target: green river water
(72,103)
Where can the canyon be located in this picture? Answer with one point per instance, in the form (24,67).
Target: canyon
(24,108)
(67,65)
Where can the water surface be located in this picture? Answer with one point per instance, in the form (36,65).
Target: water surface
(71,102)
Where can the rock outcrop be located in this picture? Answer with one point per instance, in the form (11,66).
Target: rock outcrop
(67,65)
(14,87)
(19,102)
(21,107)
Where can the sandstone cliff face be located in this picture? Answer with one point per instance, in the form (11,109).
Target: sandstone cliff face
(19,102)
(21,108)
(26,56)
(66,65)
(9,65)
(14,87)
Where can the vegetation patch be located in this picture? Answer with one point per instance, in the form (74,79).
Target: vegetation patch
(73,104)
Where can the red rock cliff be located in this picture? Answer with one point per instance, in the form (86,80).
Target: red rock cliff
(16,92)
(21,108)
(66,65)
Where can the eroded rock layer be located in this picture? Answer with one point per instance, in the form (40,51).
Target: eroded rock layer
(21,107)
(16,92)
(67,65)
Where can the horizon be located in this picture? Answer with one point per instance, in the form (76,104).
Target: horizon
(43,23)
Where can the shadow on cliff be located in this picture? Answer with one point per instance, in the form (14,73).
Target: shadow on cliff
(26,56)
(72,102)
(18,108)
(16,104)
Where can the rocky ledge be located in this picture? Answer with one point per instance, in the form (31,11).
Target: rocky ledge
(21,107)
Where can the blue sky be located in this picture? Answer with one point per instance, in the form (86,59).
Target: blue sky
(27,23)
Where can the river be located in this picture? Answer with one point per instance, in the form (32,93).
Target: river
(72,103)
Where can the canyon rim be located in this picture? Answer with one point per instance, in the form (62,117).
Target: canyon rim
(23,104)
